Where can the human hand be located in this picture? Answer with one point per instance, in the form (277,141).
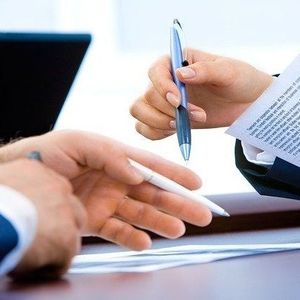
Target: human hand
(119,204)
(60,217)
(219,90)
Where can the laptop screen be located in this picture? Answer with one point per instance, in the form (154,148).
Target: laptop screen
(36,74)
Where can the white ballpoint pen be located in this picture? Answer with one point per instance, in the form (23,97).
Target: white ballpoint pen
(173,187)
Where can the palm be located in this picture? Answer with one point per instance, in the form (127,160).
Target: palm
(116,210)
(102,197)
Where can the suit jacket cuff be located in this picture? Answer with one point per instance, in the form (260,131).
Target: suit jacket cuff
(281,179)
(18,211)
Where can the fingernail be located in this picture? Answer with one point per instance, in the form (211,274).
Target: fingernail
(172,124)
(198,116)
(187,72)
(173,99)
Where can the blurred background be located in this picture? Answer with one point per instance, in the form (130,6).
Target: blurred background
(128,35)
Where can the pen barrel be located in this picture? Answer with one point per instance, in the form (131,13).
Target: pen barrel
(170,186)
(176,62)
(183,126)
(173,187)
(183,93)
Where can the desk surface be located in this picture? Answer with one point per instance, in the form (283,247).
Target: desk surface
(271,276)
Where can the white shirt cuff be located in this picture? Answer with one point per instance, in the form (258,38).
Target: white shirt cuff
(258,156)
(22,214)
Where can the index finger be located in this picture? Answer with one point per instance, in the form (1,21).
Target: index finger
(161,77)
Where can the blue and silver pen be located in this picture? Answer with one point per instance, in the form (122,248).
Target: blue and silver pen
(183,127)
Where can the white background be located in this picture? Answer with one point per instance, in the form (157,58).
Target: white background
(128,35)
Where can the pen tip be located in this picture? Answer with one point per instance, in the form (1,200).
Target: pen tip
(226,214)
(185,150)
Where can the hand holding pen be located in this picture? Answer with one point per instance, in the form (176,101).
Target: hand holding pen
(162,182)
(173,187)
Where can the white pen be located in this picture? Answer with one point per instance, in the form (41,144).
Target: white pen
(173,187)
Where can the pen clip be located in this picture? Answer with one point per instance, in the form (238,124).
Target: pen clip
(182,39)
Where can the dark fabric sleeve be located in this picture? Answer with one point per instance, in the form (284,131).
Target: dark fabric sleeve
(281,180)
(8,237)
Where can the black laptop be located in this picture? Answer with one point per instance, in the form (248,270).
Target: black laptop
(36,74)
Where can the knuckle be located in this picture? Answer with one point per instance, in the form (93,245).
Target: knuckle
(119,232)
(135,108)
(116,151)
(123,234)
(157,197)
(150,95)
(132,109)
(109,230)
(152,70)
(140,213)
(201,66)
(139,127)
(162,87)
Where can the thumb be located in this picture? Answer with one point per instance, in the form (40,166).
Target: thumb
(218,72)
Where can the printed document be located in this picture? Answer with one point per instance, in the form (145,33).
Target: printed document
(272,122)
(157,259)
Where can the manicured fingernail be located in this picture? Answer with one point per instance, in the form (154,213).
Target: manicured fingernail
(172,124)
(173,99)
(198,116)
(187,72)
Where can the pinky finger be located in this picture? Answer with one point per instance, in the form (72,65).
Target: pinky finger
(152,133)
(124,234)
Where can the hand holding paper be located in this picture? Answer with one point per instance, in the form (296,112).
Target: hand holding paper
(272,123)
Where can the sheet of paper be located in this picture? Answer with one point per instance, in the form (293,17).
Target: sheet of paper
(272,122)
(157,259)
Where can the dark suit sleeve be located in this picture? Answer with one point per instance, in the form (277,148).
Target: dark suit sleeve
(281,180)
(8,238)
